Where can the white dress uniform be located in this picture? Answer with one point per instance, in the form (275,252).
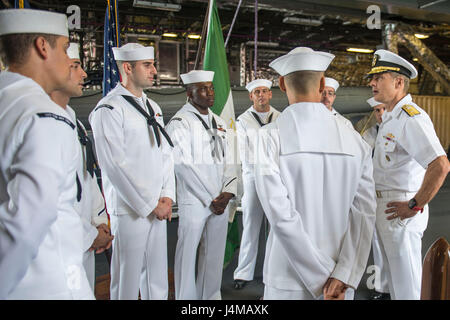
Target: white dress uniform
(136,173)
(41,234)
(342,118)
(406,144)
(247,128)
(315,182)
(316,233)
(92,205)
(202,173)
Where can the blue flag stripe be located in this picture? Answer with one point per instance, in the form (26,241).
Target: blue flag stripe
(111,38)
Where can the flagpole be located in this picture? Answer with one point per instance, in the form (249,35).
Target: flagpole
(203,36)
(232,23)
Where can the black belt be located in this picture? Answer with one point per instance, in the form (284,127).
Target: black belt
(91,161)
(259,120)
(151,120)
(213,134)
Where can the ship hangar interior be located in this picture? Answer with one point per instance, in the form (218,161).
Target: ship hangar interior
(350,29)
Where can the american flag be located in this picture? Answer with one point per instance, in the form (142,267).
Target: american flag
(111,38)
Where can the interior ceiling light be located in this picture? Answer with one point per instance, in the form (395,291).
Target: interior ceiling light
(263,44)
(359,50)
(169,35)
(156,5)
(302,21)
(194,36)
(421,36)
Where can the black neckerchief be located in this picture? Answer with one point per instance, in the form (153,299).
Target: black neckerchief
(151,120)
(213,133)
(91,161)
(259,120)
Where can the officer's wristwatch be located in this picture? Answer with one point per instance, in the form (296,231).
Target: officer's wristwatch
(412,204)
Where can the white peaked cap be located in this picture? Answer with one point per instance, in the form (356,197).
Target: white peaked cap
(258,83)
(302,59)
(195,76)
(133,52)
(13,21)
(330,82)
(74,51)
(384,61)
(373,103)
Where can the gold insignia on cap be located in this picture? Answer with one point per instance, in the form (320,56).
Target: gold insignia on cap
(383,69)
(375,59)
(410,110)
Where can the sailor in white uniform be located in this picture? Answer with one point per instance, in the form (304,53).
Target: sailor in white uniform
(410,166)
(135,156)
(206,182)
(314,180)
(381,283)
(97,235)
(328,97)
(41,233)
(247,127)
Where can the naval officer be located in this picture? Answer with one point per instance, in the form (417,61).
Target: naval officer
(328,97)
(410,166)
(320,239)
(247,126)
(41,233)
(135,156)
(206,182)
(97,235)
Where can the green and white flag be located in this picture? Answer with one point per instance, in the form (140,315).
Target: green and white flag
(215,59)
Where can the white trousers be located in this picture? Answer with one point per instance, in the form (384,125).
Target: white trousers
(139,258)
(252,218)
(381,284)
(271,293)
(401,247)
(199,230)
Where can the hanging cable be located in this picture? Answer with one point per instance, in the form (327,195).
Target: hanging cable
(232,23)
(255,59)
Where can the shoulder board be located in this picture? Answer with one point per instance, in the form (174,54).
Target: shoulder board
(104,106)
(410,110)
(56,117)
